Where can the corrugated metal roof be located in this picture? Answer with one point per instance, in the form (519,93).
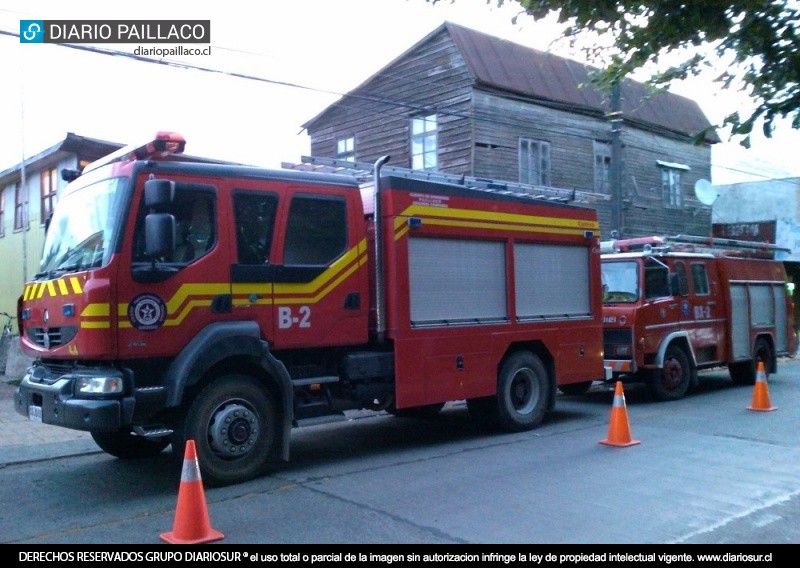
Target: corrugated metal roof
(505,65)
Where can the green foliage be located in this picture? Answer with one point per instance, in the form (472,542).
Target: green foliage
(758,41)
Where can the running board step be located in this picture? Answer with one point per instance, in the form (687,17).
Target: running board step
(317,420)
(304,382)
(152,431)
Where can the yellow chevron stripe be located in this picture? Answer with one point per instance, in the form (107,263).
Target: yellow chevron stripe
(95,325)
(188,290)
(176,320)
(76,285)
(96,310)
(321,294)
(257,288)
(62,287)
(496,218)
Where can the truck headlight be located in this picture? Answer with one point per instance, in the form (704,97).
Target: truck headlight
(98,385)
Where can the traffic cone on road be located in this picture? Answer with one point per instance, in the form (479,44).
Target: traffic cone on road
(192,524)
(619,429)
(761,391)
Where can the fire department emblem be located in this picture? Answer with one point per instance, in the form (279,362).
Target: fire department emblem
(146,312)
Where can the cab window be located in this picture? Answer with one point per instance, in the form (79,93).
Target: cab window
(700,279)
(195,226)
(255,221)
(316,232)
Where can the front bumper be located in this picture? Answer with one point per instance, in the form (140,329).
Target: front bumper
(49,396)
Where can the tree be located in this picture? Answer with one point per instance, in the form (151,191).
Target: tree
(757,43)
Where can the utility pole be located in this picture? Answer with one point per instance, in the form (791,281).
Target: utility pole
(615,117)
(23,181)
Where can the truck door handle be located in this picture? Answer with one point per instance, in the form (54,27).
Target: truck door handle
(352,301)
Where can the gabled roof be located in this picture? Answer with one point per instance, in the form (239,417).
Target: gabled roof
(546,78)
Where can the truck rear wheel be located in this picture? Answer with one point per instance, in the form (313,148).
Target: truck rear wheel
(672,381)
(124,445)
(744,372)
(234,424)
(523,388)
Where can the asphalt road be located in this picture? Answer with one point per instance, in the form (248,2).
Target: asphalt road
(706,471)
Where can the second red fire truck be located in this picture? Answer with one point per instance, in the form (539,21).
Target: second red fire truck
(673,306)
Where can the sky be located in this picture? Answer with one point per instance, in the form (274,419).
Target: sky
(309,53)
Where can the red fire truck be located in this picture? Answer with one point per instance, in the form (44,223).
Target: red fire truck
(675,305)
(228,304)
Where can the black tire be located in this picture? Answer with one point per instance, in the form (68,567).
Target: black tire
(523,390)
(426,411)
(237,452)
(576,389)
(672,381)
(744,372)
(125,445)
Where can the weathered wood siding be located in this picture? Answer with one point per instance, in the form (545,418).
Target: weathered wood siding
(644,212)
(500,121)
(378,113)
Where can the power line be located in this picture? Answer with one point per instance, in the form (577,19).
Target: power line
(344,100)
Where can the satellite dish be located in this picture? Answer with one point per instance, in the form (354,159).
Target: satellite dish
(705,192)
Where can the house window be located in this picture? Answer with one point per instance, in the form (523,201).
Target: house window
(423,142)
(49,189)
(2,213)
(18,207)
(346,149)
(602,167)
(672,182)
(534,162)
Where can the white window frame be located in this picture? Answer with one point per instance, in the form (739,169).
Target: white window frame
(424,143)
(346,149)
(602,167)
(534,161)
(672,183)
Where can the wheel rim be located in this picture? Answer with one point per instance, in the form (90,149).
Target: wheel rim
(672,374)
(233,429)
(524,391)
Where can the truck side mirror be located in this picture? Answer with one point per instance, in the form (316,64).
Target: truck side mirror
(159,235)
(159,193)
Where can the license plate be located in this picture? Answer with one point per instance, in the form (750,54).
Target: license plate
(35,413)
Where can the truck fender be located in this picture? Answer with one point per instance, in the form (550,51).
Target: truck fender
(683,339)
(220,341)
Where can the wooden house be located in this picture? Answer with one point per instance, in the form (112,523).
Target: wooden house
(460,101)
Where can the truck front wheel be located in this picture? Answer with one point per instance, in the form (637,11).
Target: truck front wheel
(125,445)
(672,381)
(234,424)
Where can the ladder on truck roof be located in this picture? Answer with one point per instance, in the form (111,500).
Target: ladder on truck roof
(717,246)
(363,172)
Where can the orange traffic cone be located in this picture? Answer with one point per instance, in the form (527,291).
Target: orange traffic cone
(761,391)
(619,430)
(192,525)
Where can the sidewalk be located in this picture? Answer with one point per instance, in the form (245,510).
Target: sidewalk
(23,441)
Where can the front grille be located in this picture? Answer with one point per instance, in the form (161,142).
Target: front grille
(49,337)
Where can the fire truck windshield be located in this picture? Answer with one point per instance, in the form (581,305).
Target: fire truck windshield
(84,228)
(620,282)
